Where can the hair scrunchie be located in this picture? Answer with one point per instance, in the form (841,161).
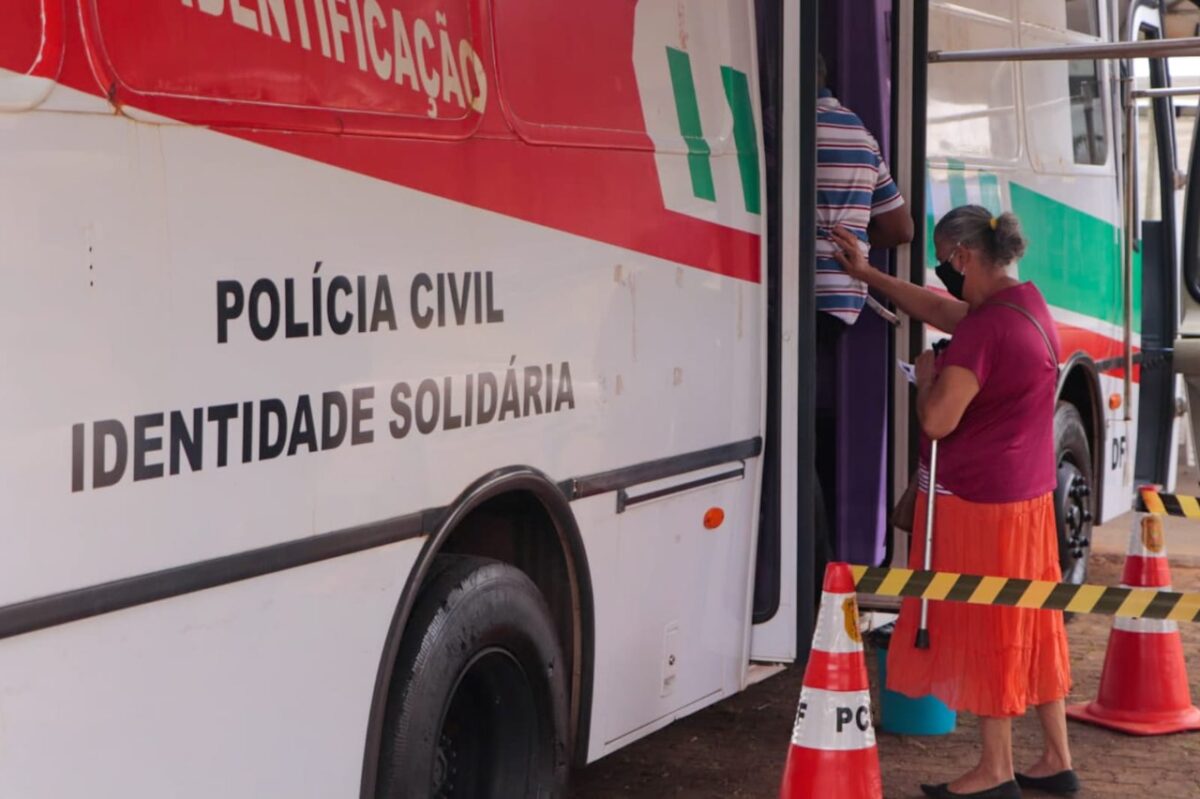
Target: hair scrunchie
(994,222)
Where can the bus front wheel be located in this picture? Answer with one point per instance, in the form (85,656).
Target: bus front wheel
(1073,493)
(478,699)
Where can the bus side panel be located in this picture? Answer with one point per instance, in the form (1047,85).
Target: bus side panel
(220,341)
(260,688)
(670,599)
(114,261)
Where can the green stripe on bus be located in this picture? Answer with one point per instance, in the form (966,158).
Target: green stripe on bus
(1074,258)
(989,193)
(688,109)
(958,183)
(737,91)
(930,221)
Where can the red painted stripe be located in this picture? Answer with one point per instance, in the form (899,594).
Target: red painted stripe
(1097,345)
(836,671)
(21,34)
(821,774)
(1072,339)
(1143,572)
(608,194)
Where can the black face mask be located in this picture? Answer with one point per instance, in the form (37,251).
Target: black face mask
(951,278)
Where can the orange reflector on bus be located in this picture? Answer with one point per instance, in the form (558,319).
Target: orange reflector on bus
(1114,401)
(713,518)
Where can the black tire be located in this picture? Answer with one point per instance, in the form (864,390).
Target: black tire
(1074,494)
(478,699)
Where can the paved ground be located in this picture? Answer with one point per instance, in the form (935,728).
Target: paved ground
(737,748)
(1183,535)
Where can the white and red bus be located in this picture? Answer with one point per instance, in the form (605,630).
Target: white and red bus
(408,398)
(384,385)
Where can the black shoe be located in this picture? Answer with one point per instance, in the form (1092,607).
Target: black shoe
(1005,790)
(1064,783)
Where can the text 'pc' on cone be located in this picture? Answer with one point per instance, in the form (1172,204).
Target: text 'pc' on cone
(833,752)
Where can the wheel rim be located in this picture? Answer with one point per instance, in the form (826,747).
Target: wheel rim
(1074,519)
(488,733)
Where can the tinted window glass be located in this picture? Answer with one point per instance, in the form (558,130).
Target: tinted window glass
(1088,130)
(971,108)
(1083,16)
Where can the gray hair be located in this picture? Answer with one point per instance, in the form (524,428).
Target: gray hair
(999,237)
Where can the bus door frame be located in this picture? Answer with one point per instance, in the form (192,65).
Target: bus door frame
(784,613)
(909,93)
(1158,241)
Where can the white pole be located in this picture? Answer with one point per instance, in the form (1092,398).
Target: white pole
(931,499)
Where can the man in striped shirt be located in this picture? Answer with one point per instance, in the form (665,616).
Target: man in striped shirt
(854,190)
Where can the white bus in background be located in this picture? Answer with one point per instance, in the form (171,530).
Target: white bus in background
(1045,139)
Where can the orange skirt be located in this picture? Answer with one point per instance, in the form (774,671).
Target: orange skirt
(986,660)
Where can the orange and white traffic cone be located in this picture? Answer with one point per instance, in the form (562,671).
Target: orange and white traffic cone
(1144,685)
(833,752)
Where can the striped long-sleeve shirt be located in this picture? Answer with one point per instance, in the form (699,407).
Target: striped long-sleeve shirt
(853,185)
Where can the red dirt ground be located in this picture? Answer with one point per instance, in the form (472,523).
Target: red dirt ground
(737,748)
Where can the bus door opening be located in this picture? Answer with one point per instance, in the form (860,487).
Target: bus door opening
(854,372)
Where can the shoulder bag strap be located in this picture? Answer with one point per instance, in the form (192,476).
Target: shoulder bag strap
(1036,323)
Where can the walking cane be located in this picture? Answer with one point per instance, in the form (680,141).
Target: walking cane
(922,641)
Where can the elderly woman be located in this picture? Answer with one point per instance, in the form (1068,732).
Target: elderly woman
(989,400)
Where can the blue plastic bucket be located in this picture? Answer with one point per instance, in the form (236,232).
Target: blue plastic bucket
(904,716)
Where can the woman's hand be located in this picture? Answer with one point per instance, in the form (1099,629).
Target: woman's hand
(849,253)
(942,397)
(926,368)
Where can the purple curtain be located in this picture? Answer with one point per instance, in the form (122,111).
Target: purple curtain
(856,43)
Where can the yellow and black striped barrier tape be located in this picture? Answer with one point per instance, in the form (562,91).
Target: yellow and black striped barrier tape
(1133,603)
(1169,504)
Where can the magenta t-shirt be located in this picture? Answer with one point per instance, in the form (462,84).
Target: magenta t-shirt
(1003,448)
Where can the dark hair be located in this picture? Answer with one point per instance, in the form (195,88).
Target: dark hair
(822,73)
(999,237)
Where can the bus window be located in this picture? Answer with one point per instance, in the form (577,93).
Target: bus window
(1066,112)
(374,66)
(687,94)
(20,35)
(1083,16)
(1079,16)
(971,107)
(585,102)
(1157,146)
(997,8)
(31,41)
(1089,133)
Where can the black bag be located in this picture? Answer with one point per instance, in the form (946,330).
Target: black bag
(906,509)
